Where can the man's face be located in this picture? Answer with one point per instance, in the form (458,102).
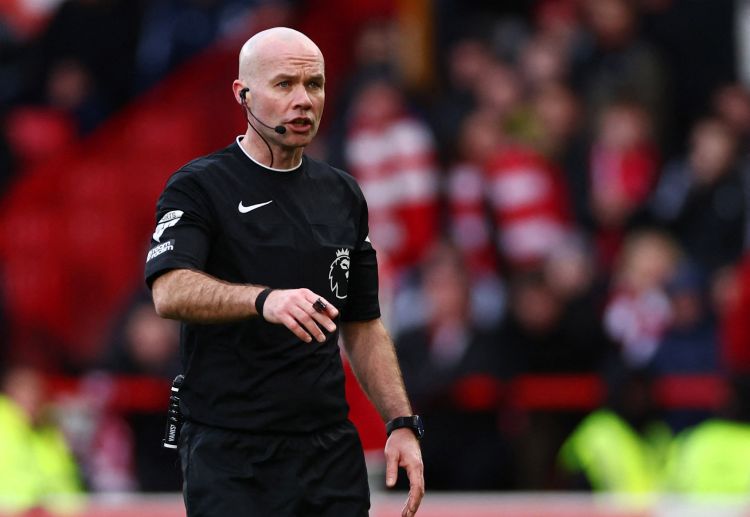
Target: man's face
(288,89)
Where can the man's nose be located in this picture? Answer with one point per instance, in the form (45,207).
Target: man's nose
(302,98)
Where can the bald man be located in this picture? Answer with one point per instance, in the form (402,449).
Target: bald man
(263,254)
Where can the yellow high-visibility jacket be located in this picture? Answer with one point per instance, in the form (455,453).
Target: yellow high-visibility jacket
(711,458)
(613,456)
(36,466)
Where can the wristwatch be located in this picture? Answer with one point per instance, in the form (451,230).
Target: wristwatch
(413,422)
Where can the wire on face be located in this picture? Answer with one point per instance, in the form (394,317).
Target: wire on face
(243,92)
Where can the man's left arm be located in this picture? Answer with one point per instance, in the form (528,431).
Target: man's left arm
(373,359)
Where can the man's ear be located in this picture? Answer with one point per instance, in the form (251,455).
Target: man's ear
(240,91)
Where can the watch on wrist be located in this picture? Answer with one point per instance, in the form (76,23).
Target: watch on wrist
(413,422)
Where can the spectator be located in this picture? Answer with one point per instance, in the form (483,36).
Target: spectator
(144,344)
(543,61)
(36,466)
(558,117)
(731,103)
(99,437)
(614,65)
(375,58)
(546,333)
(529,202)
(500,91)
(698,44)
(479,137)
(701,198)
(638,312)
(690,344)
(575,278)
(558,19)
(623,169)
(469,227)
(508,205)
(571,271)
(451,369)
(467,62)
(71,89)
(392,154)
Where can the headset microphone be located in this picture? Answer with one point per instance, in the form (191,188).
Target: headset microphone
(279,129)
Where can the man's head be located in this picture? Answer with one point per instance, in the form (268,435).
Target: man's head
(283,72)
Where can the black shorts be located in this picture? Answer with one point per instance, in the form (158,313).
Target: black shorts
(236,473)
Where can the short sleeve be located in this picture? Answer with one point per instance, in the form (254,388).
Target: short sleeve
(362,302)
(182,233)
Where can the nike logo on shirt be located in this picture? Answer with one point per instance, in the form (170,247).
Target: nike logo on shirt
(246,209)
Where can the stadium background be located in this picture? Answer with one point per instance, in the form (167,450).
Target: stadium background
(569,177)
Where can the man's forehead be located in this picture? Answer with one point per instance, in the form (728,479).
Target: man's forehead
(291,63)
(281,49)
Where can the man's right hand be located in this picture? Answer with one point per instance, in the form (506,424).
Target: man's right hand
(294,309)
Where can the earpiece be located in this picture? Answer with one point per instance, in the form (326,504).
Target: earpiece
(280,129)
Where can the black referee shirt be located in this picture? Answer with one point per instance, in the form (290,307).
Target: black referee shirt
(241,222)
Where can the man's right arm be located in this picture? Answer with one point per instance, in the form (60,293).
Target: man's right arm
(196,297)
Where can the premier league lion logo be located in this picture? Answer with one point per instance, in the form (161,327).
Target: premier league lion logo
(339,274)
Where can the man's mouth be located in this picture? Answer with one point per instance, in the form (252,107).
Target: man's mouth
(302,123)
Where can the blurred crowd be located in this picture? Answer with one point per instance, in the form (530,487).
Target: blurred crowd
(561,199)
(568,194)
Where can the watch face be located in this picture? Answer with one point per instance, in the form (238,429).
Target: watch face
(418,426)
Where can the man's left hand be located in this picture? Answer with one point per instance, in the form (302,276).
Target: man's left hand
(402,450)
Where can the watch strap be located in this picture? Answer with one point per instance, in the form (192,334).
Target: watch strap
(412,422)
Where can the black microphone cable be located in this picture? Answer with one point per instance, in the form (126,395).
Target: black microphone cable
(270,166)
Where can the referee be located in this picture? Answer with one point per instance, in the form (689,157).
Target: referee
(263,254)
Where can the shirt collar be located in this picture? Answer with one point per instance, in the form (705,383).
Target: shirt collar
(239,139)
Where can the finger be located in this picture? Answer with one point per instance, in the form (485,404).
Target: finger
(308,323)
(391,471)
(292,324)
(405,511)
(319,306)
(416,489)
(324,321)
(330,309)
(412,502)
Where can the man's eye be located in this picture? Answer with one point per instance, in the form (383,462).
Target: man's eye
(284,84)
(314,85)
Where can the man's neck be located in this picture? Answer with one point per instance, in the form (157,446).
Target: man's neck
(282,158)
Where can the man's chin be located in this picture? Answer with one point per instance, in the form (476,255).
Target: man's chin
(299,139)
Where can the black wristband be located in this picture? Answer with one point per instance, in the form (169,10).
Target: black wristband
(260,301)
(413,422)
